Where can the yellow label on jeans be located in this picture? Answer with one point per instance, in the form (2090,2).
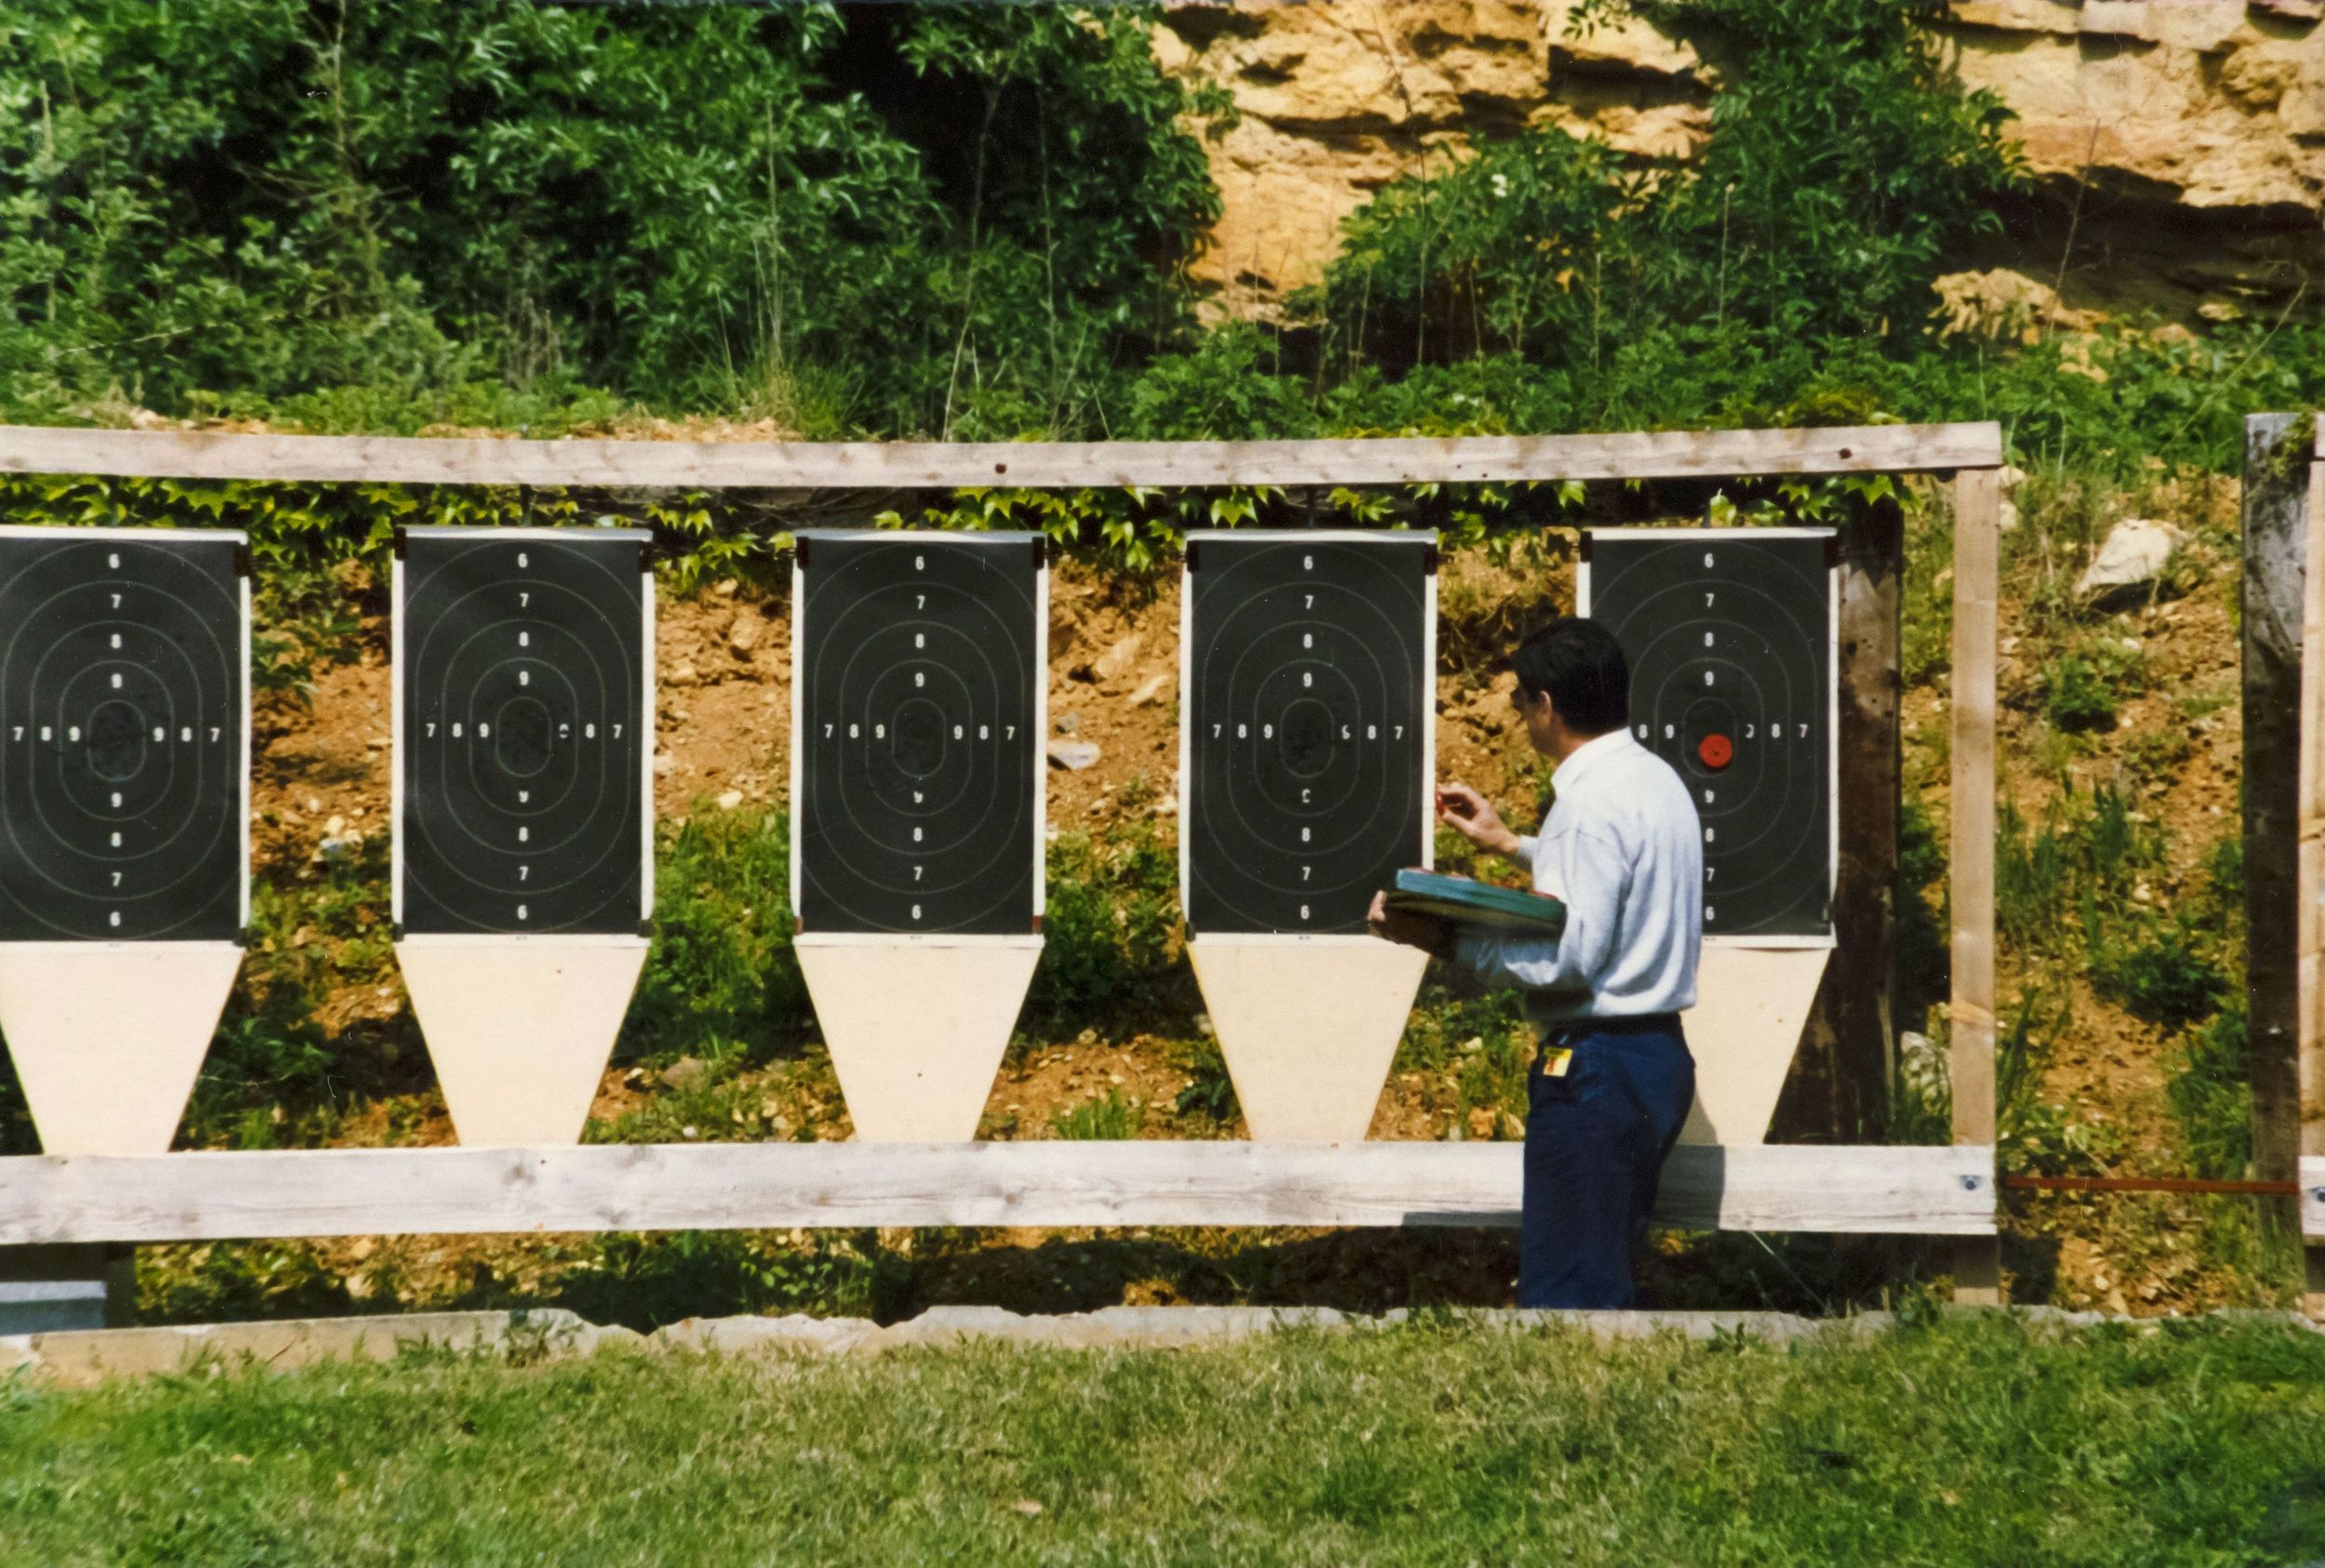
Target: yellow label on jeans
(1556,1059)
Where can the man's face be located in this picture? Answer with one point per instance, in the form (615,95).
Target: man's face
(1540,718)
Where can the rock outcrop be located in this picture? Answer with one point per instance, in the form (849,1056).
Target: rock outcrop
(2178,145)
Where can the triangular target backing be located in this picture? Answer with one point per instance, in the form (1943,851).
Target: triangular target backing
(1744,1031)
(519,1028)
(1309,1027)
(916,1025)
(108,1038)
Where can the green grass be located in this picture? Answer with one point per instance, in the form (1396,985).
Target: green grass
(722,975)
(1109,1118)
(1956,1442)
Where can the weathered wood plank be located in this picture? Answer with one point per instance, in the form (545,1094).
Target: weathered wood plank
(661,1186)
(887,465)
(2276,538)
(1839,1087)
(1971,1024)
(2310,939)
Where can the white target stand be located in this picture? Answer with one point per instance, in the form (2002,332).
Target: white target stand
(916,1026)
(523,879)
(125,812)
(1732,636)
(920,711)
(1307,729)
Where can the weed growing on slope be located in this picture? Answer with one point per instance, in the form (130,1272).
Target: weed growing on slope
(720,978)
(1109,1116)
(1112,949)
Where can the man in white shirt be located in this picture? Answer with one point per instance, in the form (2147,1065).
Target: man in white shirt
(1623,847)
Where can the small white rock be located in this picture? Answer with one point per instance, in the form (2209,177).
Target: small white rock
(730,800)
(2133,554)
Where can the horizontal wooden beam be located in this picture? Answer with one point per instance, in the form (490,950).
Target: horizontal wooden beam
(766,1186)
(947,465)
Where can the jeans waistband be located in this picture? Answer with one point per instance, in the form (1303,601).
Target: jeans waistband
(1634,1023)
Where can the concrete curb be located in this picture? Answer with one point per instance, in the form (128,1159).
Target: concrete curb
(84,1358)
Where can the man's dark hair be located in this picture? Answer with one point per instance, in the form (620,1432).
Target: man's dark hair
(1580,664)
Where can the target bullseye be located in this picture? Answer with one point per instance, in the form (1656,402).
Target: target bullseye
(1729,634)
(123,717)
(1307,666)
(525,718)
(917,746)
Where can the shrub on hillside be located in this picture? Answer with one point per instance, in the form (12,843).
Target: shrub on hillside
(722,975)
(1110,952)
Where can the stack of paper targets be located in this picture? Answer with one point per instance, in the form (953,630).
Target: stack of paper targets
(1730,636)
(523,878)
(125,728)
(920,663)
(1305,739)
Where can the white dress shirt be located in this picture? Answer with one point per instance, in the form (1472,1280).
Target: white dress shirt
(1623,848)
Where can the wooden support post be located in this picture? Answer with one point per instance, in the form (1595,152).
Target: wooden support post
(1977,573)
(1838,1089)
(2311,961)
(2280,800)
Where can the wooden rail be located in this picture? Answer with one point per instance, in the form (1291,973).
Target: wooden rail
(766,1186)
(944,465)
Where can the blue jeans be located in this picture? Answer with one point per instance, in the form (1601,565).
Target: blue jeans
(1596,1139)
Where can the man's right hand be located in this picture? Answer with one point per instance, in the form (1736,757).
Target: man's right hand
(1474,817)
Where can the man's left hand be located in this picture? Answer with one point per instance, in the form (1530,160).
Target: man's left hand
(1430,935)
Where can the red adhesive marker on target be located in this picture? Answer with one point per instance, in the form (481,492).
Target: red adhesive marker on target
(1717,750)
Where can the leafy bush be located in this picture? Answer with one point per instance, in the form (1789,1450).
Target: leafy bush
(785,208)
(1551,247)
(1110,954)
(2166,979)
(720,974)
(2077,695)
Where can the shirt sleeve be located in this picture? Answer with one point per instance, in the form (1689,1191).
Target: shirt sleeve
(1592,869)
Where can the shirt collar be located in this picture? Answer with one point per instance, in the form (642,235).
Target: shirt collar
(1587,755)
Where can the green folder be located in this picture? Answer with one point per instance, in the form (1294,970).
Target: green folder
(1480,904)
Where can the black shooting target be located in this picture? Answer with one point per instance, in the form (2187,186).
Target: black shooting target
(523,727)
(123,704)
(1729,634)
(1308,663)
(918,748)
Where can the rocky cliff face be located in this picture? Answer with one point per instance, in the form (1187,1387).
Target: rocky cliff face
(2178,145)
